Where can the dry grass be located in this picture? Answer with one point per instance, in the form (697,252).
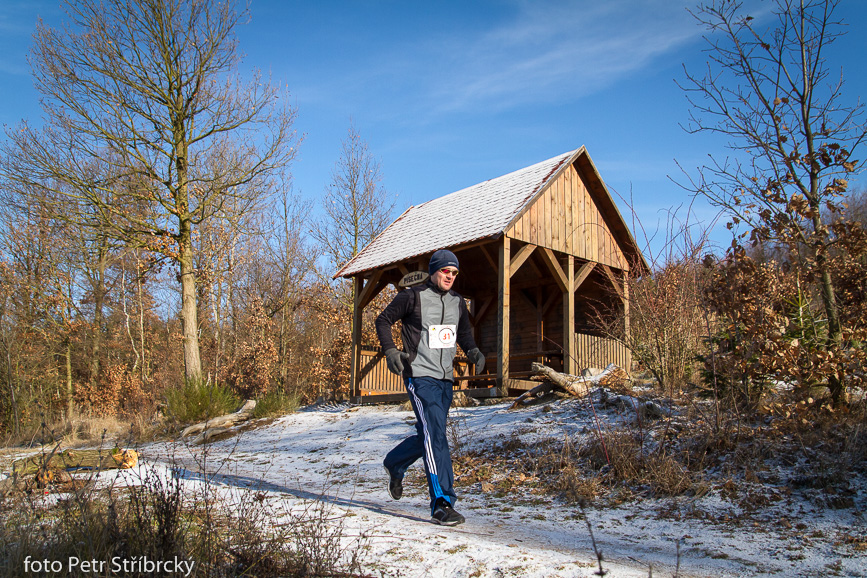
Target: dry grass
(160,519)
(578,473)
(752,460)
(80,429)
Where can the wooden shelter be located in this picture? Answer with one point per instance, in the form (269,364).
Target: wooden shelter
(542,251)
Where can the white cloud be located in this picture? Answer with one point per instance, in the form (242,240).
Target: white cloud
(555,51)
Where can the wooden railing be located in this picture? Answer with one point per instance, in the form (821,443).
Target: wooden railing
(375,377)
(590,351)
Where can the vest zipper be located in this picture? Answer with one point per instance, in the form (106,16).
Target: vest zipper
(442,321)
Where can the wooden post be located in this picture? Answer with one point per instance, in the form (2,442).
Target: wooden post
(540,323)
(474,311)
(355,351)
(503,292)
(569,362)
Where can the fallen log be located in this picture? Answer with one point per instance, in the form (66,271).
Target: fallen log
(43,464)
(571,384)
(58,480)
(219,425)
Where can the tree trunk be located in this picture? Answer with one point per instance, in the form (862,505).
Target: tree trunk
(141,324)
(70,406)
(125,310)
(216,297)
(230,300)
(99,292)
(283,345)
(10,380)
(189,296)
(826,288)
(189,311)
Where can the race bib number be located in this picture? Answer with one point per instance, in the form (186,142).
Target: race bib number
(442,336)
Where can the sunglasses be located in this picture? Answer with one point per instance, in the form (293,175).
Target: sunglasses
(452,272)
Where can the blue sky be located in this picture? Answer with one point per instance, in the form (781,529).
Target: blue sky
(448,94)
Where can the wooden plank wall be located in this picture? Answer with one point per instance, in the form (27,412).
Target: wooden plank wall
(595,351)
(523,336)
(565,218)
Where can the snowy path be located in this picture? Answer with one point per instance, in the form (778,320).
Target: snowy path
(336,454)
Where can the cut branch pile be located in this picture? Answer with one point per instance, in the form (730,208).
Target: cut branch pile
(573,385)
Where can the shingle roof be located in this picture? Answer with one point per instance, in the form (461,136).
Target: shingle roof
(477,212)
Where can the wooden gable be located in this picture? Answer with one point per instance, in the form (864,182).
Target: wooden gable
(569,217)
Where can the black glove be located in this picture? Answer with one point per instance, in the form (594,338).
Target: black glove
(394,360)
(476,356)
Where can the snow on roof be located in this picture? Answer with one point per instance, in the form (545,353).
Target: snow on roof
(477,212)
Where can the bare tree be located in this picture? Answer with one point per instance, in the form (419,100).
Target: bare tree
(149,126)
(356,206)
(42,267)
(771,92)
(292,263)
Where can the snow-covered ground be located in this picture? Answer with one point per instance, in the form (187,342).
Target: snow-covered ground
(335,454)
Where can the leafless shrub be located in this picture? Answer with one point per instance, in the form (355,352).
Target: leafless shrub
(664,322)
(458,434)
(602,466)
(625,459)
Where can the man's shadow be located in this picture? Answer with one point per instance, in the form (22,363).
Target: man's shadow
(258,484)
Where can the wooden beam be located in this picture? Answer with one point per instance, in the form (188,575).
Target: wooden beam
(536,271)
(379,398)
(583,273)
(552,298)
(523,293)
(487,241)
(554,265)
(569,362)
(615,282)
(371,289)
(481,310)
(538,281)
(477,314)
(376,290)
(355,344)
(522,384)
(540,320)
(520,257)
(503,305)
(489,257)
